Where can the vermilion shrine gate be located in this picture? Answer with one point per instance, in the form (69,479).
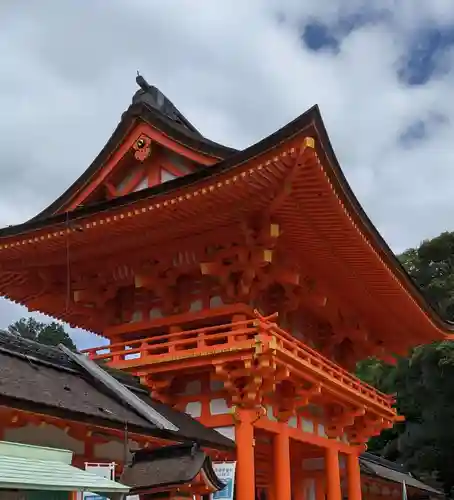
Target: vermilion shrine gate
(241,286)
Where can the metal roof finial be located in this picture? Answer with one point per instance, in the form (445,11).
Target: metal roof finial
(142,83)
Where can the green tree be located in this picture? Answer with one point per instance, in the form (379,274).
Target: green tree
(431,266)
(51,334)
(423,382)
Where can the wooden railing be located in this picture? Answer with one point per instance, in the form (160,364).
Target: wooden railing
(323,365)
(200,339)
(215,339)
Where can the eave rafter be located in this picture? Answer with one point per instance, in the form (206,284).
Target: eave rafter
(293,163)
(258,174)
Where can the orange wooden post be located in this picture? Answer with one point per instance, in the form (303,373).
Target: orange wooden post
(353,477)
(320,488)
(282,467)
(245,468)
(297,482)
(114,350)
(333,482)
(298,489)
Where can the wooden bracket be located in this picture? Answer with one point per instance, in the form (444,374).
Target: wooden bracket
(346,418)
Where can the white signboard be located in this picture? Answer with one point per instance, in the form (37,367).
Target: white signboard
(107,471)
(226,473)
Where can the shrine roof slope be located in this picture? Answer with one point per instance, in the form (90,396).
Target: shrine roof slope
(40,378)
(149,106)
(373,465)
(168,466)
(309,124)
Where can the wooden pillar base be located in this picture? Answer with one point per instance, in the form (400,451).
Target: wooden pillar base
(333,483)
(320,488)
(245,467)
(353,477)
(282,467)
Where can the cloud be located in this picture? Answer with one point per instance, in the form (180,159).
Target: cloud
(382,73)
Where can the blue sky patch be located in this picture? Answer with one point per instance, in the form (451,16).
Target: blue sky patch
(421,129)
(317,35)
(423,60)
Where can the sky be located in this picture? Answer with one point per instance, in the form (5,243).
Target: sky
(381,71)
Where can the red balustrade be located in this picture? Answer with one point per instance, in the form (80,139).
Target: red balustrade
(213,341)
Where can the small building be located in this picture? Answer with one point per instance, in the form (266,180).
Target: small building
(49,399)
(35,473)
(382,479)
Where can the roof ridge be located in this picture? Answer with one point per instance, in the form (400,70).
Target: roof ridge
(151,95)
(372,457)
(16,345)
(118,390)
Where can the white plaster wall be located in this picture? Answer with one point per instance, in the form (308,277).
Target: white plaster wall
(194,409)
(46,435)
(219,407)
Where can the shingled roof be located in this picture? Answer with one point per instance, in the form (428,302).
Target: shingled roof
(168,467)
(40,378)
(373,465)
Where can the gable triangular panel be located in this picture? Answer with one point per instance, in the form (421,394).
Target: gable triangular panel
(145,164)
(153,143)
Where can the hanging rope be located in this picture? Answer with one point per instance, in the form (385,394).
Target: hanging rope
(126,446)
(68,265)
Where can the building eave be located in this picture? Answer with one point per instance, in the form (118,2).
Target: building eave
(308,124)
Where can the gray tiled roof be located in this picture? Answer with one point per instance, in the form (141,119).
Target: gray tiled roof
(167,466)
(376,466)
(34,375)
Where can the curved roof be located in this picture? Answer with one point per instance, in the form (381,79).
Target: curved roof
(153,108)
(388,277)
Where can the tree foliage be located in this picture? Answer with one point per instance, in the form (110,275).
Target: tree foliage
(51,334)
(423,382)
(431,266)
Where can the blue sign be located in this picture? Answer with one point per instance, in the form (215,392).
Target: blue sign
(226,473)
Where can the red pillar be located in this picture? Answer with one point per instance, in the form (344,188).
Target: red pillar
(319,488)
(245,467)
(333,483)
(282,468)
(298,483)
(353,477)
